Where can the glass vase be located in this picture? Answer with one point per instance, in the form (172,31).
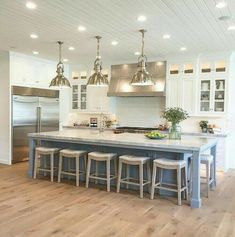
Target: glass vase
(175,132)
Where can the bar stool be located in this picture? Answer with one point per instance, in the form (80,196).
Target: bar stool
(179,166)
(207,160)
(101,156)
(72,154)
(134,160)
(47,151)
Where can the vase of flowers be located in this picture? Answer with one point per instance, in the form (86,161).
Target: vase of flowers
(175,116)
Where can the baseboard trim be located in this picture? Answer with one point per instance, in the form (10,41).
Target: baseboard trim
(4,162)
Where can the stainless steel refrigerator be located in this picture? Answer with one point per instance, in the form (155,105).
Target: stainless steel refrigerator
(33,110)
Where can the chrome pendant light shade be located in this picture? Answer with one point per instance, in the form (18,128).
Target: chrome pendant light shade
(60,81)
(142,77)
(97,78)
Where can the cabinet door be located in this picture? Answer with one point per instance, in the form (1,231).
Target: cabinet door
(97,99)
(173,96)
(188,95)
(206,105)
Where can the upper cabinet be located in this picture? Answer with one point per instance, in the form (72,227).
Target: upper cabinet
(213,67)
(88,98)
(186,69)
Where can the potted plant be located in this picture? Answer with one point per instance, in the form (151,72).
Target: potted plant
(175,116)
(204,125)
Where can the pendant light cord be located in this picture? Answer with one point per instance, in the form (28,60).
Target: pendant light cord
(142,50)
(98,46)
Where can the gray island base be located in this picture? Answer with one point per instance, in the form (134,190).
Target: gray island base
(135,144)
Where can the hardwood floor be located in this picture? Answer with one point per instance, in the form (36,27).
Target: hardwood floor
(40,208)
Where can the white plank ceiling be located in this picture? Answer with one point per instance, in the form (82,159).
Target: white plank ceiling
(191,23)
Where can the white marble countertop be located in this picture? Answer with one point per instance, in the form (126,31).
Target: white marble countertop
(86,136)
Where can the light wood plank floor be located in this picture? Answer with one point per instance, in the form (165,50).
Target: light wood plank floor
(40,208)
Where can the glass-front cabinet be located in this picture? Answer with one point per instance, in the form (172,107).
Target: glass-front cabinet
(212,95)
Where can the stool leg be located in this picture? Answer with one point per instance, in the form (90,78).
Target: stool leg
(186,182)
(149,176)
(179,185)
(77,170)
(119,176)
(52,166)
(96,171)
(207,178)
(60,167)
(153,180)
(127,175)
(85,160)
(115,167)
(141,177)
(35,165)
(88,171)
(108,174)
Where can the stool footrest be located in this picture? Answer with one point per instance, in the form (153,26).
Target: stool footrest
(165,187)
(133,183)
(92,176)
(73,174)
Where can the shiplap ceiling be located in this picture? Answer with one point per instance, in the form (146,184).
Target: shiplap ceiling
(191,23)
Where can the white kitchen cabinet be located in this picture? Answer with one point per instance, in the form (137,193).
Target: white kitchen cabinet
(97,98)
(181,86)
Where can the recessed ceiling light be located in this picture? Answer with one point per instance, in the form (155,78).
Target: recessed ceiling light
(137,53)
(166,36)
(34,36)
(35,52)
(71,48)
(160,63)
(183,48)
(114,42)
(141,18)
(221,4)
(65,60)
(232,27)
(31,5)
(81,28)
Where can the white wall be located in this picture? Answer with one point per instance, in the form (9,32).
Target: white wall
(5,105)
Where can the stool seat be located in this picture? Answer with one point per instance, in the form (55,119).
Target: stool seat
(169,164)
(69,152)
(96,155)
(131,159)
(47,150)
(206,158)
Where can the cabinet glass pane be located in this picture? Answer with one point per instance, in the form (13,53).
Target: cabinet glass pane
(205,95)
(206,67)
(219,106)
(220,66)
(174,69)
(75,88)
(220,84)
(75,105)
(83,88)
(188,68)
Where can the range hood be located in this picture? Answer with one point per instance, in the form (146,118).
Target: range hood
(121,76)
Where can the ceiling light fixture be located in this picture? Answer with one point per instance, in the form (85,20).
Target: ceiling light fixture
(142,77)
(166,36)
(137,53)
(71,48)
(141,18)
(183,48)
(65,60)
(114,42)
(33,36)
(81,28)
(31,5)
(231,27)
(97,78)
(221,4)
(35,52)
(60,81)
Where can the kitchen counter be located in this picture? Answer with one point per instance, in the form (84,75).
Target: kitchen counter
(129,143)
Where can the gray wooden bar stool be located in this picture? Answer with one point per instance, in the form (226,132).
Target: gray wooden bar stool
(101,156)
(67,154)
(46,151)
(134,160)
(182,181)
(207,160)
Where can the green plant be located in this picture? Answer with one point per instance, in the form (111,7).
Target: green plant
(203,124)
(175,115)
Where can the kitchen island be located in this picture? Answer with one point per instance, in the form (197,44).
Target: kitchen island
(135,144)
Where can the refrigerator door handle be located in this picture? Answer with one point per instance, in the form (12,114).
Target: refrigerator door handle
(39,113)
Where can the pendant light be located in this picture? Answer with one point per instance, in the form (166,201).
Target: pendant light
(60,80)
(97,78)
(142,77)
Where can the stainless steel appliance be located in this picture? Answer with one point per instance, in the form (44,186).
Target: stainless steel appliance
(33,110)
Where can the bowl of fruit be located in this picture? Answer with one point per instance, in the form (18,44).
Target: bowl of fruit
(155,135)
